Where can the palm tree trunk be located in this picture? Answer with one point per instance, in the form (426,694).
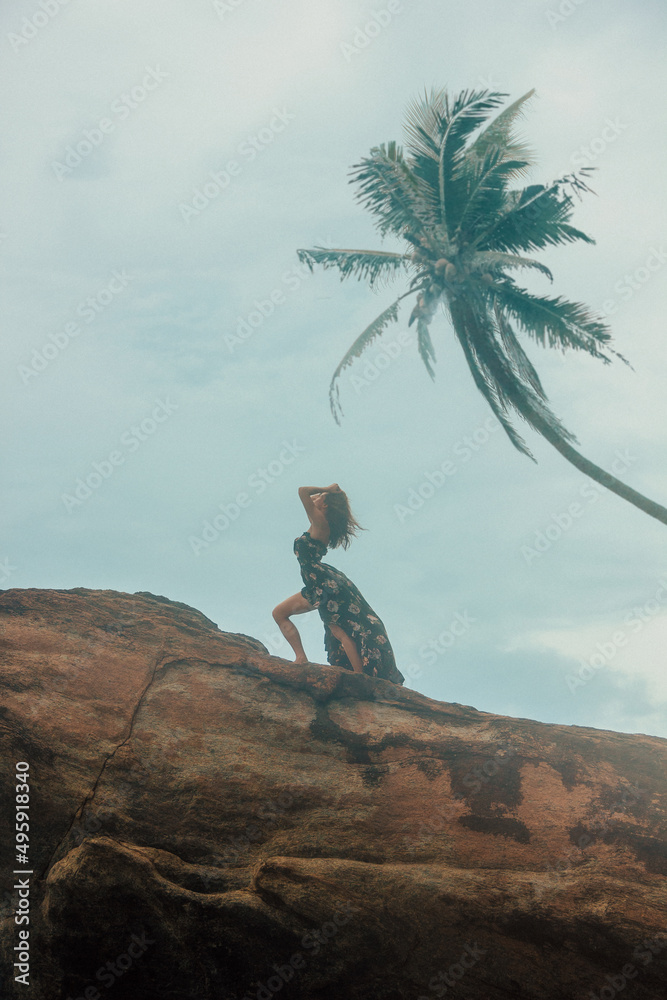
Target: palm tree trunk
(598,474)
(464,317)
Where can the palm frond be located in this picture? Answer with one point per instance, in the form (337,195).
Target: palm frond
(486,384)
(555,322)
(423,119)
(371,265)
(537,217)
(518,357)
(478,191)
(432,122)
(491,260)
(391,191)
(499,379)
(468,113)
(437,134)
(373,330)
(499,134)
(488,164)
(425,345)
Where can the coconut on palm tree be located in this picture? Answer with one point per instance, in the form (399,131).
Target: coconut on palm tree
(464,228)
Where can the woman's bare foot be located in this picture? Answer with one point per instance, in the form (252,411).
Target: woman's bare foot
(301,659)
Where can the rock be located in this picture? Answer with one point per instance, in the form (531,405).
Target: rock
(210,821)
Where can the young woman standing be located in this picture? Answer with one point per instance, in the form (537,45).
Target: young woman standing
(354,636)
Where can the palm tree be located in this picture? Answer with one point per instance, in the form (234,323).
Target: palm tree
(449,200)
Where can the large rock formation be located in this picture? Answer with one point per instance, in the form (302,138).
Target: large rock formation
(210,821)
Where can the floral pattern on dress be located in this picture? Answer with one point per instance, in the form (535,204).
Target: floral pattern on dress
(350,610)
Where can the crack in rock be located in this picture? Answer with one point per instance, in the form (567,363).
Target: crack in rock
(91,794)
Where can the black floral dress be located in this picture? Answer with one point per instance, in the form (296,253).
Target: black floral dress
(340,603)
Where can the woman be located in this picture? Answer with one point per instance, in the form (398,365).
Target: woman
(354,636)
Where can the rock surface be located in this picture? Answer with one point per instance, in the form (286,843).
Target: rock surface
(210,821)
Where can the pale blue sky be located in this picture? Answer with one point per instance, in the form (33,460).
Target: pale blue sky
(173,388)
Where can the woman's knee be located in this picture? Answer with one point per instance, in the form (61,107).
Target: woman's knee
(294,605)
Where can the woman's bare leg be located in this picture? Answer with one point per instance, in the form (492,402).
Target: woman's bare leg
(295,605)
(349,647)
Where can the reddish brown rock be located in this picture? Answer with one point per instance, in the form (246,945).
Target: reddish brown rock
(210,821)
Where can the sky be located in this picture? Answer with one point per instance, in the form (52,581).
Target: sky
(167,359)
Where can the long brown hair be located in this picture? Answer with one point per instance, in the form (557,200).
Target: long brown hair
(342,523)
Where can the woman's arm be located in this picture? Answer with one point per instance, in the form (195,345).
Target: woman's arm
(305,493)
(318,489)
